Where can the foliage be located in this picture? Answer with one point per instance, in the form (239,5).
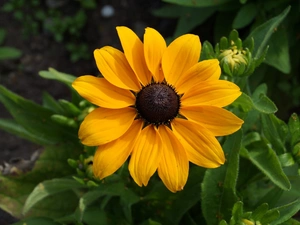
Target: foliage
(49,17)
(5,51)
(259,183)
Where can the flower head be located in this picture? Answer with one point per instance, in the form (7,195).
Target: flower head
(158,105)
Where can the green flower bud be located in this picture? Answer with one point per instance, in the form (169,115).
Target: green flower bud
(79,180)
(73,163)
(80,172)
(65,121)
(91,183)
(88,166)
(69,107)
(234,61)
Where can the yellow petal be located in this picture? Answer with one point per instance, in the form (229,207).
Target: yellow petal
(145,156)
(204,70)
(181,55)
(154,47)
(114,67)
(134,53)
(105,125)
(111,156)
(100,92)
(173,168)
(201,146)
(218,93)
(217,120)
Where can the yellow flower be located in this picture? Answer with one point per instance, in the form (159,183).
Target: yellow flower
(158,105)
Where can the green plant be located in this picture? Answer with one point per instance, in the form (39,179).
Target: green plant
(5,51)
(36,17)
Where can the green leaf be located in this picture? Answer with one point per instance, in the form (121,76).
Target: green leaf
(127,197)
(191,18)
(286,211)
(275,130)
(262,156)
(237,211)
(55,75)
(219,185)
(244,16)
(94,216)
(9,53)
(35,118)
(223,222)
(271,197)
(278,54)
(181,201)
(14,128)
(286,159)
(265,105)
(168,11)
(50,103)
(184,201)
(262,33)
(294,127)
(291,222)
(259,212)
(207,51)
(244,102)
(198,3)
(48,188)
(269,216)
(261,102)
(2,35)
(51,164)
(250,138)
(37,221)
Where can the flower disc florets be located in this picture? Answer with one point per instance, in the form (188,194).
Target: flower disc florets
(157,103)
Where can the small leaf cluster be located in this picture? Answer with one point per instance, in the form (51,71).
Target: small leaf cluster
(49,17)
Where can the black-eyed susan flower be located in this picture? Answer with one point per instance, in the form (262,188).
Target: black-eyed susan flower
(158,105)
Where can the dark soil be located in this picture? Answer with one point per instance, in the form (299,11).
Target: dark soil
(41,52)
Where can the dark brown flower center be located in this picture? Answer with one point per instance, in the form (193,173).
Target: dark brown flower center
(157,103)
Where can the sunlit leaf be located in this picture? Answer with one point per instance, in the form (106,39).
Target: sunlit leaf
(56,75)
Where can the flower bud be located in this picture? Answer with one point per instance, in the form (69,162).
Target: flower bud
(65,121)
(235,60)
